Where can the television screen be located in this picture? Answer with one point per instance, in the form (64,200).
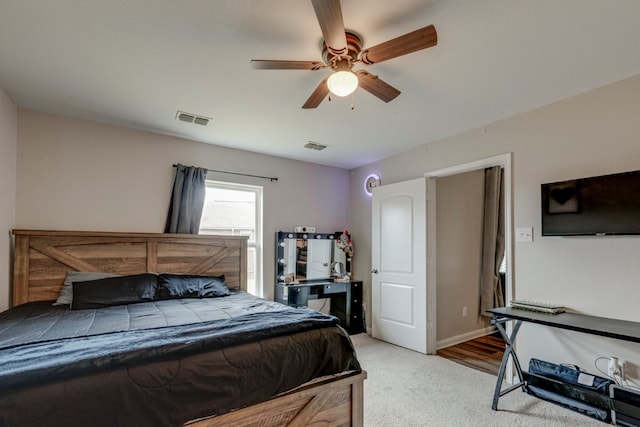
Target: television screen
(599,205)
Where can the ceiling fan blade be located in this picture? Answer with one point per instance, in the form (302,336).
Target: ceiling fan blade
(265,64)
(318,95)
(376,87)
(410,42)
(329,14)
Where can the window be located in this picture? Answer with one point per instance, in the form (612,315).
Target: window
(236,210)
(503,265)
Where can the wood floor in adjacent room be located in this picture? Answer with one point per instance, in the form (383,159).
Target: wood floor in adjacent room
(483,354)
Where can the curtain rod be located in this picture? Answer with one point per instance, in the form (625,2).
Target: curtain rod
(270,178)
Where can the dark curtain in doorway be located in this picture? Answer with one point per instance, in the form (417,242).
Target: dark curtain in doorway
(187,200)
(492,240)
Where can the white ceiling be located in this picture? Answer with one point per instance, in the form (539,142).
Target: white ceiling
(136,62)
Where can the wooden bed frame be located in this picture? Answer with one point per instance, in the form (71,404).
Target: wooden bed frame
(42,259)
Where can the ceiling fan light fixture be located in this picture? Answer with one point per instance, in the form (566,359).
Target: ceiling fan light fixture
(342,83)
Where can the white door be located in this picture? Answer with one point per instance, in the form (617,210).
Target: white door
(399,265)
(319,258)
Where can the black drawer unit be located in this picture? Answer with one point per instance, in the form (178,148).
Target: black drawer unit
(346,300)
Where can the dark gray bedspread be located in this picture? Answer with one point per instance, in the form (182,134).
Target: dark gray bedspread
(42,347)
(40,321)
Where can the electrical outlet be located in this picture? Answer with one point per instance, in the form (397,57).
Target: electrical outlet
(465,312)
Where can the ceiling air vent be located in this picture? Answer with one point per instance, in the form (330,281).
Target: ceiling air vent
(201,121)
(315,146)
(192,118)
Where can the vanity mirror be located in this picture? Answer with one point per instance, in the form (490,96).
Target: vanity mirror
(305,257)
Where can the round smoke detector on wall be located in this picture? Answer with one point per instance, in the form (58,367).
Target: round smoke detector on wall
(370,182)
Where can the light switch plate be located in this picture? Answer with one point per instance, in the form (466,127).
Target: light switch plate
(524,234)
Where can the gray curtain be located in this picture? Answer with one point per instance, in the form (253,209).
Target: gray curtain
(187,200)
(492,240)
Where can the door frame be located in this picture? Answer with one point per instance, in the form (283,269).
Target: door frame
(503,160)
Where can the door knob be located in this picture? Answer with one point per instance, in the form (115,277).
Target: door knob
(374,271)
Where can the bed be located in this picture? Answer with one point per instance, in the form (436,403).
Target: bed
(232,359)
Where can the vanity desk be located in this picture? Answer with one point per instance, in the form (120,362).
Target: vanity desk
(346,300)
(314,266)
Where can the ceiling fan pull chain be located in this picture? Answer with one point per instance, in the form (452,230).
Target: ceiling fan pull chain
(353,106)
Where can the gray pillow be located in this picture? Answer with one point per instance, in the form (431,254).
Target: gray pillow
(66,293)
(172,286)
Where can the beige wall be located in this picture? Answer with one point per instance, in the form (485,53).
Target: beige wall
(590,134)
(459,209)
(77,175)
(72,174)
(8,143)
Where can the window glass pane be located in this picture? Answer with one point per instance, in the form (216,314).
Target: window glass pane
(503,265)
(235,209)
(251,273)
(229,212)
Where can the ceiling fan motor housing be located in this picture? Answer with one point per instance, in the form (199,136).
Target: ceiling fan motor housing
(354,46)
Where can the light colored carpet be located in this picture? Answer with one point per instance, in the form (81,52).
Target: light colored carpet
(405,388)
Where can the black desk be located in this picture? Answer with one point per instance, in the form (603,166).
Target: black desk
(346,299)
(602,326)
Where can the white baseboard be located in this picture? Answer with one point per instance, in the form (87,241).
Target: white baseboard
(448,342)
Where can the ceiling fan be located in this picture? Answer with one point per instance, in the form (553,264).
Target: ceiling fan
(342,49)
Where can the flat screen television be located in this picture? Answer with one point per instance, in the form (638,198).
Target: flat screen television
(599,205)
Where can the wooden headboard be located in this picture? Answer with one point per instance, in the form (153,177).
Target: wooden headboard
(42,258)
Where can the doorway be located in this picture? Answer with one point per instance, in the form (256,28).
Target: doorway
(447,303)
